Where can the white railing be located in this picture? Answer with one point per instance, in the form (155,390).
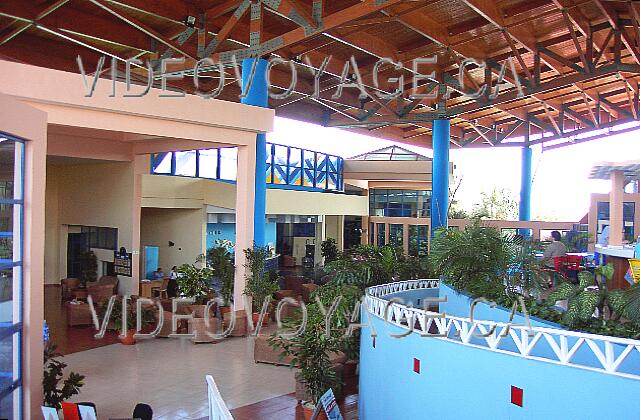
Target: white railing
(402,286)
(217,408)
(608,352)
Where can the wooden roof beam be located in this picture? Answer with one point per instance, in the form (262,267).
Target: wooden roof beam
(613,19)
(145,29)
(226,29)
(300,34)
(222,9)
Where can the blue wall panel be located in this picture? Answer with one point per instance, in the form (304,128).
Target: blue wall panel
(227,231)
(459,382)
(462,382)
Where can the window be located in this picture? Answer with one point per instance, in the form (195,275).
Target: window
(372,237)
(381,235)
(399,203)
(418,237)
(229,163)
(628,216)
(208,164)
(285,165)
(11,220)
(101,237)
(186,163)
(396,232)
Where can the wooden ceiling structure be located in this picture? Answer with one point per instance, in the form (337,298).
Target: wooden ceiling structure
(560,67)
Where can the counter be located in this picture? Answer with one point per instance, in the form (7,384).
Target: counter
(619,257)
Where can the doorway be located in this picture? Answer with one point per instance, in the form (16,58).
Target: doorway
(77,244)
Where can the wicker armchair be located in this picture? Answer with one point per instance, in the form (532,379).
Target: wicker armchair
(106,280)
(100,293)
(66,287)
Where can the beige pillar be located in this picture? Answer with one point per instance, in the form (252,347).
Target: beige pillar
(386,233)
(364,225)
(245,194)
(340,232)
(405,238)
(321,236)
(616,198)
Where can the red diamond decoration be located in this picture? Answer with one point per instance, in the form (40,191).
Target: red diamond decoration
(516,395)
(416,365)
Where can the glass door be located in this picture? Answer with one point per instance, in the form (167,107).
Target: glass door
(11,220)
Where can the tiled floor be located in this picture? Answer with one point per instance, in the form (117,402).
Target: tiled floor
(69,339)
(286,407)
(168,374)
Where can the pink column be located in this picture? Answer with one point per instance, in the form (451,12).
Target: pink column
(245,190)
(30,124)
(140,167)
(615,208)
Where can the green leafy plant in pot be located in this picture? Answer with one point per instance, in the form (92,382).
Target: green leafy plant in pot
(220,260)
(259,284)
(311,351)
(88,267)
(194,281)
(330,251)
(147,318)
(54,394)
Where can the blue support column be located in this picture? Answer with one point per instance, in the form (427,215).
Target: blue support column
(258,95)
(525,189)
(440,176)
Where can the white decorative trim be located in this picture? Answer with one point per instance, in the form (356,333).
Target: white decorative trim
(461,331)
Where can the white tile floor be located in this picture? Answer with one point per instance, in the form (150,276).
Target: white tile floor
(168,374)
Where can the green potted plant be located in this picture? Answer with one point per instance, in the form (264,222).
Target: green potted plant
(88,267)
(329,250)
(54,394)
(116,315)
(220,260)
(311,352)
(194,281)
(259,284)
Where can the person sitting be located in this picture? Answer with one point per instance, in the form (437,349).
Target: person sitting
(554,249)
(158,274)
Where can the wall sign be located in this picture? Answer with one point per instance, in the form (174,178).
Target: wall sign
(122,262)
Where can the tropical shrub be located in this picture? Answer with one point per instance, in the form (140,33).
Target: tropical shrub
(330,250)
(194,280)
(310,350)
(54,394)
(474,259)
(583,299)
(220,260)
(259,284)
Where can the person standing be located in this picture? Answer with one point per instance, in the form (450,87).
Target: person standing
(172,285)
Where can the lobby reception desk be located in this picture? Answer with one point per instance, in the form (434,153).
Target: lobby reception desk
(619,257)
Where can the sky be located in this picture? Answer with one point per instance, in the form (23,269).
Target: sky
(561,185)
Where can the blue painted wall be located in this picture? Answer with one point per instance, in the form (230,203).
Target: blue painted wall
(227,231)
(460,382)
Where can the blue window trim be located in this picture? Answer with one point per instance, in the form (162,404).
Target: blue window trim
(333,173)
(16,327)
